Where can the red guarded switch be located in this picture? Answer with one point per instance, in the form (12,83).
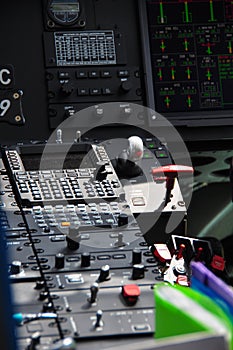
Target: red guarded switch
(130,293)
(161,252)
(218,263)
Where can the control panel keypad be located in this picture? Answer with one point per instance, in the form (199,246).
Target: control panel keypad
(64,217)
(69,184)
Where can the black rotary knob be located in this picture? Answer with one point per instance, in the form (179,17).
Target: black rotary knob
(40,284)
(71,244)
(126,86)
(43,295)
(59,261)
(136,256)
(67,89)
(46,229)
(122,219)
(85,259)
(15,267)
(138,271)
(47,307)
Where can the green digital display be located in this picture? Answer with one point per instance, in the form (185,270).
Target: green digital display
(62,7)
(191,44)
(64,12)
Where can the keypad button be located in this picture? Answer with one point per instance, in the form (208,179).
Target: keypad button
(95,91)
(81,74)
(106,74)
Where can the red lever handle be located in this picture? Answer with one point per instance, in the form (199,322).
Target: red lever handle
(172,170)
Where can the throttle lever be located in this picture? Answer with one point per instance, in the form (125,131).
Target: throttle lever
(170,172)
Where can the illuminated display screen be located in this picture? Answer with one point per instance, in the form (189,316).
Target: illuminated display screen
(52,161)
(191,43)
(65,7)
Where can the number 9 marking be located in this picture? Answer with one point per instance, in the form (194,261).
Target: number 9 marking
(4,106)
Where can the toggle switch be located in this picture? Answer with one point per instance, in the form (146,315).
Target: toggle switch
(99,322)
(180,252)
(34,341)
(120,240)
(59,136)
(104,274)
(78,136)
(94,291)
(73,238)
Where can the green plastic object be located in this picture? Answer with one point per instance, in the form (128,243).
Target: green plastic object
(181,310)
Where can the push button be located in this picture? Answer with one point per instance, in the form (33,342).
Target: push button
(106,74)
(95,91)
(83,92)
(81,75)
(161,153)
(93,74)
(106,91)
(63,75)
(123,73)
(151,144)
(130,293)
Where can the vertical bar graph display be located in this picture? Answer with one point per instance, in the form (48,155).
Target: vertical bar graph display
(229,47)
(173,73)
(186,44)
(187,16)
(212,18)
(161,18)
(162,46)
(208,74)
(188,71)
(160,74)
(167,101)
(208,49)
(189,101)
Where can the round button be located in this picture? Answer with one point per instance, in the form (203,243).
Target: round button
(126,86)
